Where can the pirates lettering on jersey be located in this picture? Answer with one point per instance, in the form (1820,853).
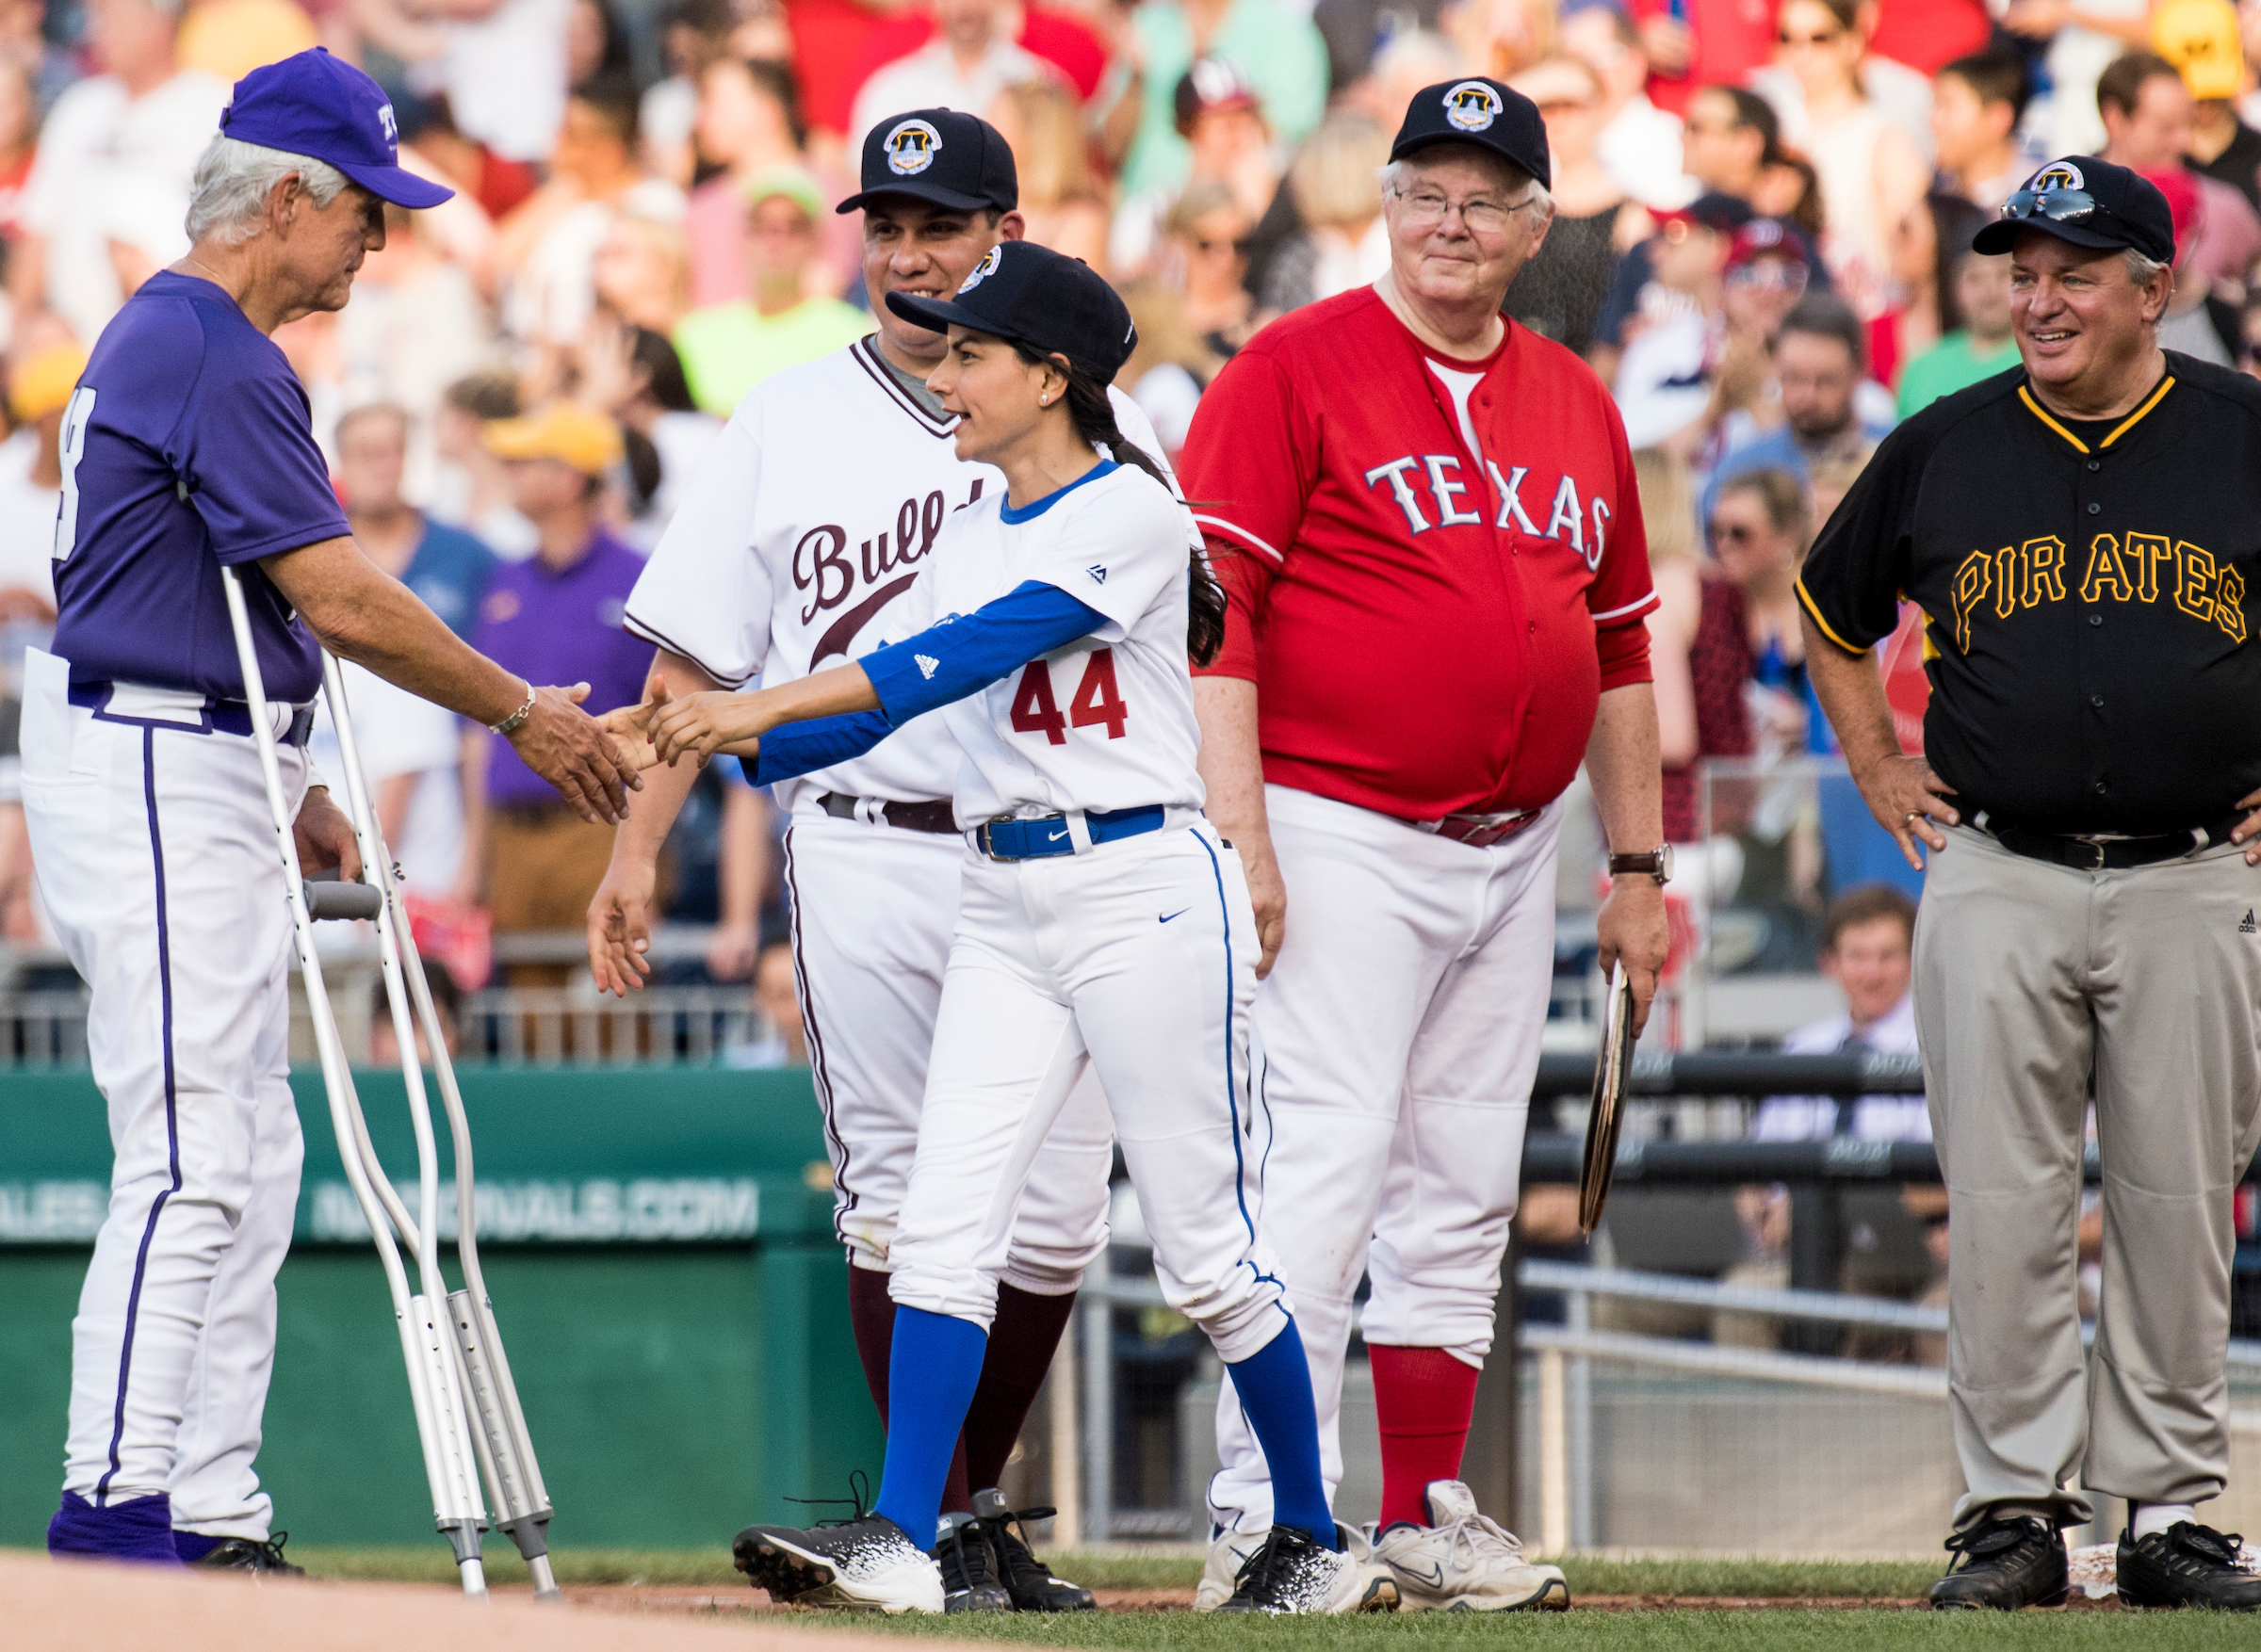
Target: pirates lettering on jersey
(828,576)
(1576,519)
(2134,568)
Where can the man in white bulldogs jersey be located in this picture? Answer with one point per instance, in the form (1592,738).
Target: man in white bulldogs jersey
(803,528)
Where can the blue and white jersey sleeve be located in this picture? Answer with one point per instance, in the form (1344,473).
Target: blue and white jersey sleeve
(1117,550)
(1105,721)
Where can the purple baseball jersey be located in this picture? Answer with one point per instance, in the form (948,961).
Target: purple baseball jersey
(188,446)
(551,627)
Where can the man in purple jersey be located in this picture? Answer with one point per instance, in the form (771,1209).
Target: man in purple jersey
(188,447)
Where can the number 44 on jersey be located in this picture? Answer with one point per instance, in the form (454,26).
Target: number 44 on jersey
(1096,701)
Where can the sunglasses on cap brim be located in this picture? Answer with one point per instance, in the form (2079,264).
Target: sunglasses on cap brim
(2057,206)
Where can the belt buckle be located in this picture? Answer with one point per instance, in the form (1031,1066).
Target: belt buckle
(987,845)
(2095,844)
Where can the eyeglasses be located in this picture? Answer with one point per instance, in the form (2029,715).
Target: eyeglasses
(1426,210)
(1794,41)
(1772,275)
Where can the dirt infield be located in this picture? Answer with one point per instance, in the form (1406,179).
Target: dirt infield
(52,1605)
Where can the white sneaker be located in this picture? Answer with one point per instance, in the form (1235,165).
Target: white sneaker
(1290,1573)
(1464,1561)
(1228,1551)
(863,1565)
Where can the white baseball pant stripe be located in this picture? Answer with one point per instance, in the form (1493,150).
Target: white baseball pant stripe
(1400,1033)
(1137,958)
(875,908)
(157,862)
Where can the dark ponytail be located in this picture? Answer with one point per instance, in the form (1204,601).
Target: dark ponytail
(1093,413)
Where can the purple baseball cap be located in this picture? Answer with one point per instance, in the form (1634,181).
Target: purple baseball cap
(319,106)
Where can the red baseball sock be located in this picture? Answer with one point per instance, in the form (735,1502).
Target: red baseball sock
(871,1314)
(1022,1340)
(1422,1401)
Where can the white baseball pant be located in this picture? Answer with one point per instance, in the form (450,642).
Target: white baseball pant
(1136,958)
(156,859)
(875,908)
(1399,1034)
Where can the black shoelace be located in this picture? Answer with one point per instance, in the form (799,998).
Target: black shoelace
(858,1498)
(1988,1540)
(1255,1580)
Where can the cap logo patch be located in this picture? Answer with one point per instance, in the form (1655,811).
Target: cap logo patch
(2060,176)
(911,147)
(1472,106)
(392,126)
(982,272)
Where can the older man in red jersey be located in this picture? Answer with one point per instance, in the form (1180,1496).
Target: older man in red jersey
(1425,516)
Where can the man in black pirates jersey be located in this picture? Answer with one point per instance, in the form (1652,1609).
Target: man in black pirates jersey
(2084,534)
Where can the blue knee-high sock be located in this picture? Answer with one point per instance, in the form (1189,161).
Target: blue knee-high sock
(1275,1387)
(933,1366)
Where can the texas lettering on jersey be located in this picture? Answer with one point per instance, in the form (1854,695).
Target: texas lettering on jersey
(2138,567)
(1467,533)
(880,570)
(1438,475)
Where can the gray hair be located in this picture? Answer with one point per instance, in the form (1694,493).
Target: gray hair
(2139,269)
(1398,174)
(233,180)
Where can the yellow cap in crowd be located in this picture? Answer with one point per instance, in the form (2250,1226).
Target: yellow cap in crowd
(2200,38)
(797,185)
(564,431)
(44,380)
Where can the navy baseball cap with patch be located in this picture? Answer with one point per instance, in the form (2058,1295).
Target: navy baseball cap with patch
(1030,295)
(319,106)
(2088,203)
(951,159)
(1481,112)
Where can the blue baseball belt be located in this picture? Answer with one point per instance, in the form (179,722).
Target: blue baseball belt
(1052,834)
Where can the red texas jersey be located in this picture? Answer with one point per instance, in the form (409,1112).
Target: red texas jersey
(1436,566)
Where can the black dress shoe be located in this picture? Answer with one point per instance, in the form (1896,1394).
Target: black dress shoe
(2003,1563)
(2187,1565)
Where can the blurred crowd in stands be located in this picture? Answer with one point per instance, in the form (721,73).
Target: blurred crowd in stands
(1761,243)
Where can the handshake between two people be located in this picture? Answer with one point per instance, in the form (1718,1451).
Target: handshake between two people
(665,728)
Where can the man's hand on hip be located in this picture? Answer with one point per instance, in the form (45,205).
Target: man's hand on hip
(1906,798)
(564,745)
(325,838)
(1631,928)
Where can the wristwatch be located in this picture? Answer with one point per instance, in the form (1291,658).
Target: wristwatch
(1657,862)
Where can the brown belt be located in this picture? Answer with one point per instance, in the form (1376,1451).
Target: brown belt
(940,819)
(1481,831)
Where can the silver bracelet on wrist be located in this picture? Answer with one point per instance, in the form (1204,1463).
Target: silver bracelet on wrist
(509,726)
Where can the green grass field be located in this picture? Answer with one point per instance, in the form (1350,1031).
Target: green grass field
(1763,1579)
(1698,1630)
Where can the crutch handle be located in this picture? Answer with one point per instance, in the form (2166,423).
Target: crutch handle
(329,898)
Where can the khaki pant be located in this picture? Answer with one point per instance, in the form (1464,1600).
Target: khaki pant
(2028,978)
(547,864)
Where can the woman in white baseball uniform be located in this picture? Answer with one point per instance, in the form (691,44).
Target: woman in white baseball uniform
(1101,918)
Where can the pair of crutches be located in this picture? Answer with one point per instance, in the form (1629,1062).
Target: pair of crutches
(459,1381)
